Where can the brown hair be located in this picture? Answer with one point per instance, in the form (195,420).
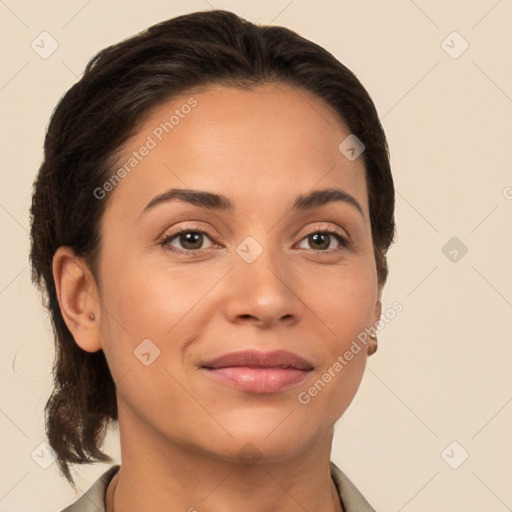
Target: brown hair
(121,85)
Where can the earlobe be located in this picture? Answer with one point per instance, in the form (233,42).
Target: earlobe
(78,298)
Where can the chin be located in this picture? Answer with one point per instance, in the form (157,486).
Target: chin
(249,450)
(268,440)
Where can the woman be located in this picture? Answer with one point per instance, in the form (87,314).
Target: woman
(210,226)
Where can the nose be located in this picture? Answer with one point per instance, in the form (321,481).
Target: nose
(262,292)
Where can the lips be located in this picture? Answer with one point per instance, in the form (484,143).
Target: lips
(259,372)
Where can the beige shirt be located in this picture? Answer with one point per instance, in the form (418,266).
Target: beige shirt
(94,499)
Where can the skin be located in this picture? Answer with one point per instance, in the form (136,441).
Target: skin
(181,431)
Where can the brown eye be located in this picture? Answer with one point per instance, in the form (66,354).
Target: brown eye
(191,240)
(187,240)
(322,240)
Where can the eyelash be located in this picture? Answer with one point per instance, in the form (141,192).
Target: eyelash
(342,239)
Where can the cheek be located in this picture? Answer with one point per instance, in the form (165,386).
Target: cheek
(153,301)
(342,300)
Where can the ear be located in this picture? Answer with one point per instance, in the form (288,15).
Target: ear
(78,298)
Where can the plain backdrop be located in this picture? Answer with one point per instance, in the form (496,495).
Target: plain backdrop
(430,428)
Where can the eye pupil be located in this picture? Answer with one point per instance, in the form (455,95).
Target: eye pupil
(323,240)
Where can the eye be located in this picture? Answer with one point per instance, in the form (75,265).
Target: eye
(194,241)
(189,240)
(323,240)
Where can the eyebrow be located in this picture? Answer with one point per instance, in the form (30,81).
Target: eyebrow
(314,199)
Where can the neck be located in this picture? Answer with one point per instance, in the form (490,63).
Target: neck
(159,475)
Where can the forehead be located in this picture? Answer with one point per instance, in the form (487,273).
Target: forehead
(254,144)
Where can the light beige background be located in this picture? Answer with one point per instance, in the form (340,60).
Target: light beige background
(442,373)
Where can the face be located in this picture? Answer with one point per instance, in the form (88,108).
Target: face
(270,265)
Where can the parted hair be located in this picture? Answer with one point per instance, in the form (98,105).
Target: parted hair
(121,85)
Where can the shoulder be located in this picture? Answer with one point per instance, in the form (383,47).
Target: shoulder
(352,499)
(93,500)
